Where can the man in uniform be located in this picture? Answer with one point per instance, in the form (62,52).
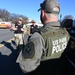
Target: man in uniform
(33,27)
(41,54)
(19,30)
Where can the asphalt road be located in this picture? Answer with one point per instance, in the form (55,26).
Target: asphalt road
(8,55)
(6,34)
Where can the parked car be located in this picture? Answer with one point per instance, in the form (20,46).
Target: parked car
(5,25)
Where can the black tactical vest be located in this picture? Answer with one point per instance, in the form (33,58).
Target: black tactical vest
(19,28)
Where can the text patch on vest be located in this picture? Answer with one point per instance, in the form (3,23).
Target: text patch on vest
(59,45)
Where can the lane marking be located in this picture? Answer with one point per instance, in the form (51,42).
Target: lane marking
(1,45)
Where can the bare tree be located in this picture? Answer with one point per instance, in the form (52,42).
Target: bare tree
(68,17)
(7,16)
(4,14)
(14,17)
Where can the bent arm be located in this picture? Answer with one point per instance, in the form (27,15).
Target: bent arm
(30,64)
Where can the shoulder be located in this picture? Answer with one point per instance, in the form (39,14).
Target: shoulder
(36,38)
(36,25)
(36,35)
(16,23)
(32,25)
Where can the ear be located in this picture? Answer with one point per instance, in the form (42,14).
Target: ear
(43,13)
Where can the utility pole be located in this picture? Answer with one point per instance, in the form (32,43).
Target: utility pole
(60,18)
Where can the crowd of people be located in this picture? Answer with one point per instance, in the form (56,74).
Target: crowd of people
(47,49)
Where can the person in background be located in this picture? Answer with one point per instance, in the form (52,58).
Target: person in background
(43,50)
(33,27)
(19,31)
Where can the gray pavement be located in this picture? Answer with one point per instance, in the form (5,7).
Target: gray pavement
(8,56)
(6,34)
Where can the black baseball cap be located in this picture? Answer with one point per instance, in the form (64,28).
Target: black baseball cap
(50,6)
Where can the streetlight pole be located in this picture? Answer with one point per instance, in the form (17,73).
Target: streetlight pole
(60,18)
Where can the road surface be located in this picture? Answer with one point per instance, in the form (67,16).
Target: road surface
(6,34)
(8,54)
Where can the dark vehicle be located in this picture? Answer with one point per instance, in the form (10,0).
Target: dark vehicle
(67,23)
(68,67)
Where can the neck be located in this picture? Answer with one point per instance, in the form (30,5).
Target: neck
(51,20)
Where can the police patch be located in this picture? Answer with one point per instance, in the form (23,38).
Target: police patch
(28,51)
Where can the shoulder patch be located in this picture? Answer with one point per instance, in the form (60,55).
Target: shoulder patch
(28,51)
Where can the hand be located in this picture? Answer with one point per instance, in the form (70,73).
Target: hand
(22,29)
(14,28)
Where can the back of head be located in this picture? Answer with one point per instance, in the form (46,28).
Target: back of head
(50,6)
(49,11)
